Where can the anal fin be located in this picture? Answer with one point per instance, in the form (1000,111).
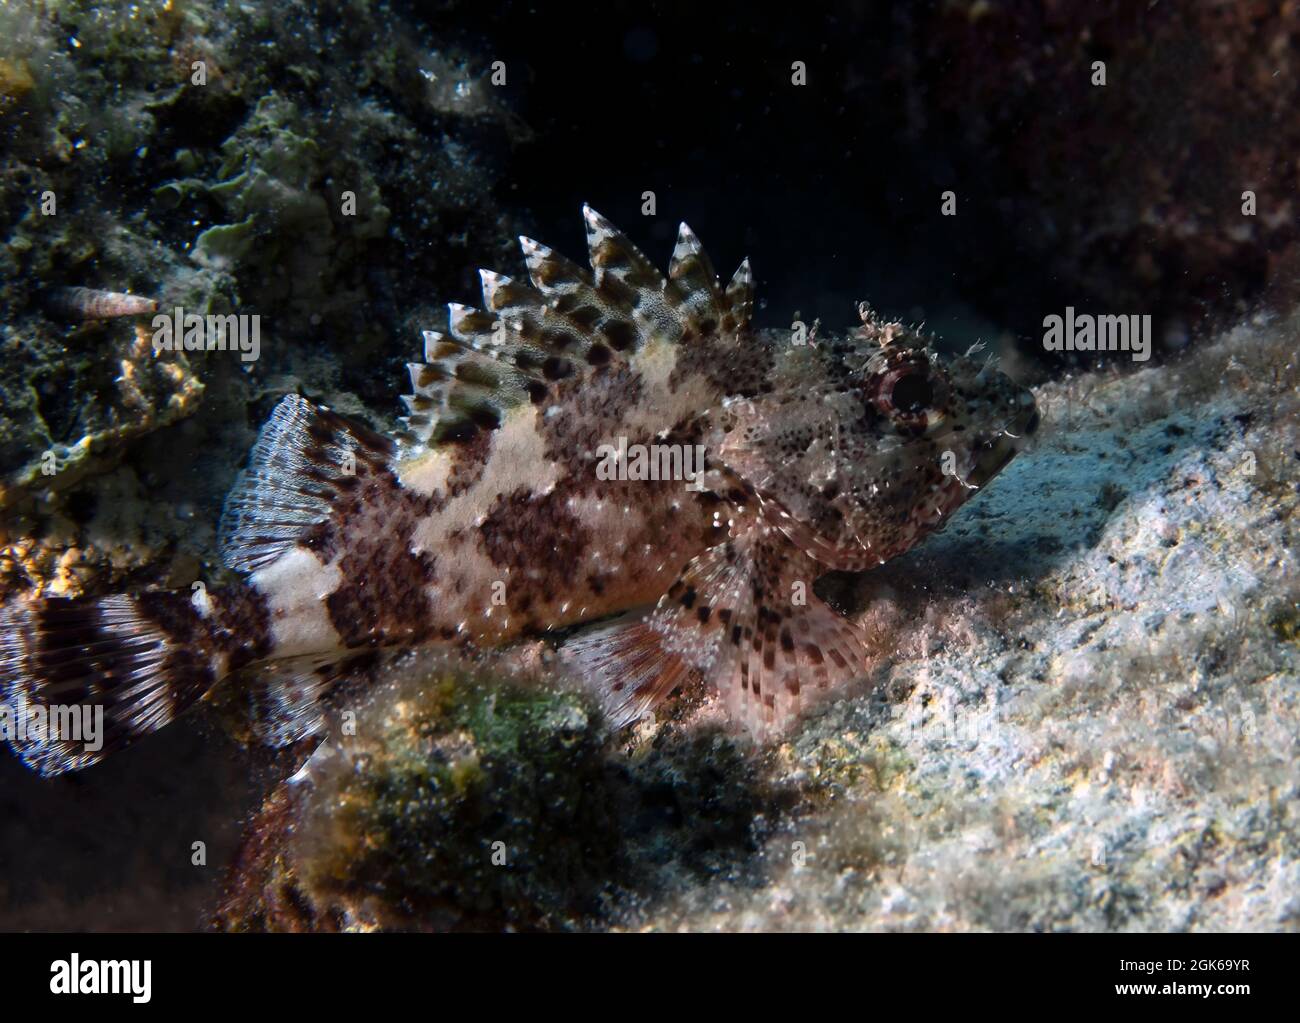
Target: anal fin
(287,698)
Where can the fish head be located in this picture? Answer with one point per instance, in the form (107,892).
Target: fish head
(867,444)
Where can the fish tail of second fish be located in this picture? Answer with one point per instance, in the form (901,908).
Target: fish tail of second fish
(81,678)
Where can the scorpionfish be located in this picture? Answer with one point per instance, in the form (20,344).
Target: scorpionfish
(486,517)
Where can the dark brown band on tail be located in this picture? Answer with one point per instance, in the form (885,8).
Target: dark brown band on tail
(80,679)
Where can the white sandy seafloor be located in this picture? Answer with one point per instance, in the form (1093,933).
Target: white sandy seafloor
(1087,708)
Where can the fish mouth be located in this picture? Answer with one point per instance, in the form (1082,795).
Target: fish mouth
(1014,436)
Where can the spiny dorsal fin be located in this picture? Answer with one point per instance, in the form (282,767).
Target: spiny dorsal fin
(694,280)
(459,389)
(612,255)
(569,291)
(548,354)
(569,322)
(631,280)
(551,273)
(528,330)
(740,294)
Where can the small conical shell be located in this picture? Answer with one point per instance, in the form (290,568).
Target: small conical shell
(93,304)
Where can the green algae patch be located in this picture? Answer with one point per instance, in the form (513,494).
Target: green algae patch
(468,802)
(456,796)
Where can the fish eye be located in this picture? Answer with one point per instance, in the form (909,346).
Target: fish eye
(911,393)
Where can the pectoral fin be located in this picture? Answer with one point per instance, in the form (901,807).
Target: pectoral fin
(743,616)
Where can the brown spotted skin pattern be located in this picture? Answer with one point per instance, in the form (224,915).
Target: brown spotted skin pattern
(574,549)
(485,518)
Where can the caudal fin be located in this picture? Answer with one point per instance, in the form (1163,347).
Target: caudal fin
(80,679)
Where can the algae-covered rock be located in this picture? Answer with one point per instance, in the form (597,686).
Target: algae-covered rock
(455,797)
(454,804)
(147,152)
(74,420)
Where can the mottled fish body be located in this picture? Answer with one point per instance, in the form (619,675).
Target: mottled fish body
(490,515)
